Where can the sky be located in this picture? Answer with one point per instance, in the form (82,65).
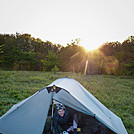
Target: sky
(60,21)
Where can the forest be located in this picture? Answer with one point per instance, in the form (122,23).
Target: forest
(24,52)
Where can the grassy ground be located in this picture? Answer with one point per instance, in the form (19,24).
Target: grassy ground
(116,93)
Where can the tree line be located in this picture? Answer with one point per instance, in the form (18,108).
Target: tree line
(24,52)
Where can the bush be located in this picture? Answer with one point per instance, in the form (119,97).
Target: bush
(55,69)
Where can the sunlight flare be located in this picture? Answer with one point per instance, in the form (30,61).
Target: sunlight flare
(86,65)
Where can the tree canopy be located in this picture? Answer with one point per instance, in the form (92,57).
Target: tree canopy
(24,52)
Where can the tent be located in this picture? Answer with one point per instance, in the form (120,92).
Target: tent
(29,116)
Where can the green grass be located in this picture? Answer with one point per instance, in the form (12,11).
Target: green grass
(116,93)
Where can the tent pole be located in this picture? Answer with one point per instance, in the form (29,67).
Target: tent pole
(52,114)
(52,108)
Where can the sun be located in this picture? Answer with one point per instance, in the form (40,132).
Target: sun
(89,46)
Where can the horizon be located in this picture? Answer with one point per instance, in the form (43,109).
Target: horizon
(60,22)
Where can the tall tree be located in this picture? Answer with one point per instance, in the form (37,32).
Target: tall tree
(51,61)
(126,57)
(72,57)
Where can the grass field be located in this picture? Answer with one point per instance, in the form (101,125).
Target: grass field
(116,93)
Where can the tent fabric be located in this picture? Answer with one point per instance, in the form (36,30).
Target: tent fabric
(29,116)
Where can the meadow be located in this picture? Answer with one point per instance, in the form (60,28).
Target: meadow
(115,92)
